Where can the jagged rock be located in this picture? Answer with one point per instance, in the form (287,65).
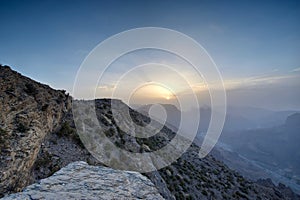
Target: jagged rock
(79,180)
(28,111)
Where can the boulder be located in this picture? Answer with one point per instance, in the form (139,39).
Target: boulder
(79,180)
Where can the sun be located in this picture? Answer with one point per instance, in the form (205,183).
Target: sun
(159,91)
(154,91)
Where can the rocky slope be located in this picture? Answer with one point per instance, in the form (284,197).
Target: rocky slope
(49,142)
(81,181)
(188,178)
(260,146)
(28,111)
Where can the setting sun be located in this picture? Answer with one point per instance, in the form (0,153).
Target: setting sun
(154,91)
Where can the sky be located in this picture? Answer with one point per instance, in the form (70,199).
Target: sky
(255,44)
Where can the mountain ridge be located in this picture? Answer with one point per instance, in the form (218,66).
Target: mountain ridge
(48,128)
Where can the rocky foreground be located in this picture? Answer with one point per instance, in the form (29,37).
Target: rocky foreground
(78,180)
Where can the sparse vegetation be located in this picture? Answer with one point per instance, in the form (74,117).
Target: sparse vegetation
(2,131)
(45,107)
(30,89)
(65,130)
(204,192)
(239,194)
(109,132)
(3,138)
(22,128)
(47,160)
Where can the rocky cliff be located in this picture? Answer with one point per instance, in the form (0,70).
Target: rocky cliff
(78,180)
(28,111)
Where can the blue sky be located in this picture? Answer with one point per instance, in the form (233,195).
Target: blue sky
(248,40)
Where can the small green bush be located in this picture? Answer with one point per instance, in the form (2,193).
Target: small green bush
(65,130)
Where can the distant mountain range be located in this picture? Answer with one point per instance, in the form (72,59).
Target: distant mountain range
(237,118)
(275,149)
(256,142)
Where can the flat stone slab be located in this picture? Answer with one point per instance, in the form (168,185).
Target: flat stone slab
(79,180)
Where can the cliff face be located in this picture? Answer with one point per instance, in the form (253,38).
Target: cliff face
(28,111)
(80,181)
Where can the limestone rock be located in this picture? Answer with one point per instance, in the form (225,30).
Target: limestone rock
(79,180)
(28,111)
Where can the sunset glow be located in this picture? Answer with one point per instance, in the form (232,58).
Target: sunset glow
(154,91)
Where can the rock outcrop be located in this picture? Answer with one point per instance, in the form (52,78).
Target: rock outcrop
(28,111)
(79,180)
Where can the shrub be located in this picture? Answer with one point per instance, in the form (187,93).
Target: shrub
(22,128)
(2,136)
(244,190)
(241,195)
(65,130)
(2,131)
(204,192)
(109,132)
(45,107)
(30,89)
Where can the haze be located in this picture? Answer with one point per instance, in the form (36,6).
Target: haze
(255,46)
